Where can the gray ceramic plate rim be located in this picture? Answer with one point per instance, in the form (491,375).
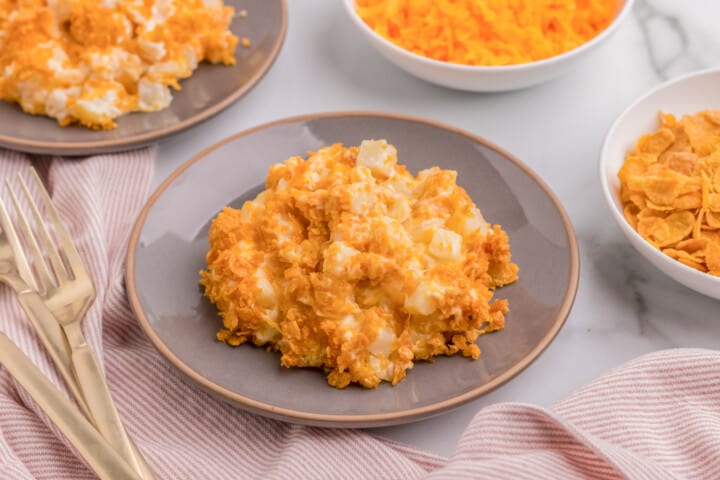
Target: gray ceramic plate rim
(137,141)
(350,421)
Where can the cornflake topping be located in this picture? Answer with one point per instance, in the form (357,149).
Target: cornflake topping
(90,61)
(350,263)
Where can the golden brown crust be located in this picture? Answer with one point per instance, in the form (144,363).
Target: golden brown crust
(88,62)
(349,263)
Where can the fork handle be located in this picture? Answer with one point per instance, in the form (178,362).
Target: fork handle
(100,403)
(107,464)
(53,339)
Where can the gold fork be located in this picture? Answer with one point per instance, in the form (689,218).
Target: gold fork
(88,442)
(18,276)
(66,289)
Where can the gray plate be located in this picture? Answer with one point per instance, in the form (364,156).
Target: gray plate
(169,241)
(208,91)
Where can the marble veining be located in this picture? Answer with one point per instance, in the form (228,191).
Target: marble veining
(675,45)
(658,27)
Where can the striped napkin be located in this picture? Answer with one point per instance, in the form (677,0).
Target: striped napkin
(657,417)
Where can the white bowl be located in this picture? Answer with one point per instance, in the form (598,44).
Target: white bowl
(488,78)
(685,95)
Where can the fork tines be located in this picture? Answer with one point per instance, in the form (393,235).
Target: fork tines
(37,244)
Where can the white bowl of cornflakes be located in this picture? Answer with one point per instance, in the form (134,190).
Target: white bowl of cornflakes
(486,46)
(660,174)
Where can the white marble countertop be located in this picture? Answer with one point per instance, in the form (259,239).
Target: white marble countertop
(625,307)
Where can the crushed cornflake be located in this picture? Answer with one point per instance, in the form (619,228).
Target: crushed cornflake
(89,61)
(350,263)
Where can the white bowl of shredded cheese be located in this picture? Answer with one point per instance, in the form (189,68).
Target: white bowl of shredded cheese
(480,78)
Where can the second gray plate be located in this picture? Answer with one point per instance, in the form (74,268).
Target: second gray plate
(208,91)
(169,241)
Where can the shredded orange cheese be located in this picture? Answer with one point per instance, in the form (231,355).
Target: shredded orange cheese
(488,32)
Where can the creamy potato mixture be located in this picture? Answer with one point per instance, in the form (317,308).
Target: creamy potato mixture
(90,61)
(350,263)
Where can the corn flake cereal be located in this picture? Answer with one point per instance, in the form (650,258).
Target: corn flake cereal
(670,189)
(350,263)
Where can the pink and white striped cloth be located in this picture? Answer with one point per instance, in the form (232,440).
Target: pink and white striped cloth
(657,417)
